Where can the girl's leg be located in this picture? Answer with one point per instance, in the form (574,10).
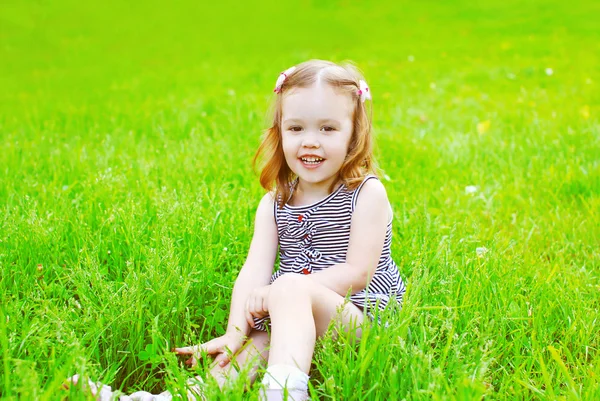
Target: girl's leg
(300,311)
(253,356)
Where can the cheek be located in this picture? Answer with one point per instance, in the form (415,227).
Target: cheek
(288,147)
(345,145)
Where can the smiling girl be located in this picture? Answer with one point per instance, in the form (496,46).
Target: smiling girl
(328,216)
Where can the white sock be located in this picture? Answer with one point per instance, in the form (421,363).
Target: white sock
(288,377)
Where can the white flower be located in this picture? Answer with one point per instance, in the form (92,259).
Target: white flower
(387,177)
(481,251)
(471,189)
(225,249)
(549,71)
(411,58)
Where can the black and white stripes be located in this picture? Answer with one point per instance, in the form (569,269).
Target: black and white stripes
(316,236)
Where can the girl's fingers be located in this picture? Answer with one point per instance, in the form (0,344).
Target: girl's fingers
(222,359)
(209,347)
(186,350)
(192,362)
(249,318)
(265,305)
(253,308)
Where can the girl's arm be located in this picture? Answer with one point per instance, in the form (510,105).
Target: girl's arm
(258,267)
(367,236)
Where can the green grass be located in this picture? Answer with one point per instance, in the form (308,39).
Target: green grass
(127,195)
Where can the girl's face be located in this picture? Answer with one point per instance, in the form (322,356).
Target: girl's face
(316,128)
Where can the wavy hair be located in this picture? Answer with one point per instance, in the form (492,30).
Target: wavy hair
(275,173)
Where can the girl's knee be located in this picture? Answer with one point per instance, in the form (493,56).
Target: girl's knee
(287,286)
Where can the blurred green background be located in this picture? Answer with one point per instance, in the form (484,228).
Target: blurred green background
(127,194)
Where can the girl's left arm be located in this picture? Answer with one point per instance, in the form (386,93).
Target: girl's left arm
(367,236)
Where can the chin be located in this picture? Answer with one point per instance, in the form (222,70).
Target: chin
(314,179)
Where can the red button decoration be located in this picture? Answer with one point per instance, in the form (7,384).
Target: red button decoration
(305,271)
(305,236)
(300,217)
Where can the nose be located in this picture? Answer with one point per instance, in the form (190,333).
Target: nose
(310,140)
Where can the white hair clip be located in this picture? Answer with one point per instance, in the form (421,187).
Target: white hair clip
(364,91)
(282,77)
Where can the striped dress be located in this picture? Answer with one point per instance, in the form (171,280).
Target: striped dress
(316,236)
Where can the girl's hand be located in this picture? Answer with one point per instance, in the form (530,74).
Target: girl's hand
(257,304)
(222,348)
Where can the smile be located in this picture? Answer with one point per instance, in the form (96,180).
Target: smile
(312,160)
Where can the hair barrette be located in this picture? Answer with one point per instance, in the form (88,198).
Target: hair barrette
(281,79)
(364,91)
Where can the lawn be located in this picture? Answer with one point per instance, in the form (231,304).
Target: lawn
(127,193)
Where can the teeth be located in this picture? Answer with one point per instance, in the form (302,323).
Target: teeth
(312,160)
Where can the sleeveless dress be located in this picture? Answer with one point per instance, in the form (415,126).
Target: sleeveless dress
(316,236)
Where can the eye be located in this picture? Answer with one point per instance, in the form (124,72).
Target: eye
(295,128)
(327,128)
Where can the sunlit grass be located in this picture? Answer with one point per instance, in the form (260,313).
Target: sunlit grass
(127,194)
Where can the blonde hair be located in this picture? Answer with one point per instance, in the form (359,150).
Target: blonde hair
(275,173)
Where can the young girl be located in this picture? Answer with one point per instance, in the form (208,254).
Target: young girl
(330,218)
